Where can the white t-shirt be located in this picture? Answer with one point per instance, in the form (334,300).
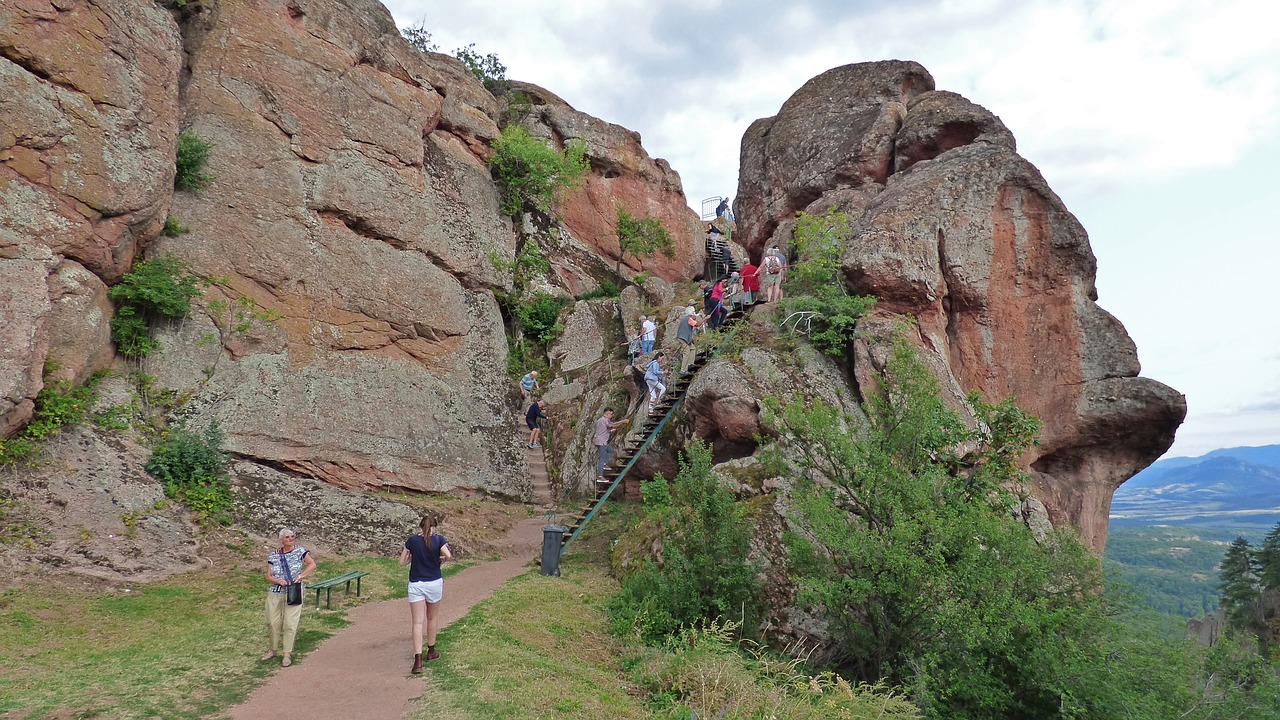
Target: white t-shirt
(650,330)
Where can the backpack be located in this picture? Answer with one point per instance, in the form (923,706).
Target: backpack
(772,264)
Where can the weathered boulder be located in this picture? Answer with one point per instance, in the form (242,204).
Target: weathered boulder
(622,176)
(962,241)
(88,127)
(838,129)
(352,211)
(591,332)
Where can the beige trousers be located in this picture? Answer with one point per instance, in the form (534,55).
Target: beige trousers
(282,618)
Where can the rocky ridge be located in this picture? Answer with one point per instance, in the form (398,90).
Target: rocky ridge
(353,210)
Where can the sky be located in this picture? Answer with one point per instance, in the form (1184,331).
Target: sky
(1156,121)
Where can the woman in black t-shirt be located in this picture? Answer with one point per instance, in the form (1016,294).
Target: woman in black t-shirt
(423,553)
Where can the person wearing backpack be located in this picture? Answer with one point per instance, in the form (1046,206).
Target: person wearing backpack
(771,280)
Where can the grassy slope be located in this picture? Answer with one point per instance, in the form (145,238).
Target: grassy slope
(183,648)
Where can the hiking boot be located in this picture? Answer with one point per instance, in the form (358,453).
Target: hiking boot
(432,654)
(417,664)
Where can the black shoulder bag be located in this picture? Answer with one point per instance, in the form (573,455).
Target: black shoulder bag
(292,591)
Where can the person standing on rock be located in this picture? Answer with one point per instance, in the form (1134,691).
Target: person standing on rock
(423,553)
(771,279)
(528,384)
(649,336)
(605,426)
(750,284)
(531,419)
(288,564)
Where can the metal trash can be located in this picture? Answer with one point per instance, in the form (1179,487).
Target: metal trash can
(552,537)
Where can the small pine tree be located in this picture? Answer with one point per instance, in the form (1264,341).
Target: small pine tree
(1268,558)
(1239,585)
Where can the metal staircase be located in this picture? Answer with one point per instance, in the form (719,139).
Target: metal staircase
(652,427)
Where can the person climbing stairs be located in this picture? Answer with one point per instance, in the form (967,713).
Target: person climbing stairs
(652,426)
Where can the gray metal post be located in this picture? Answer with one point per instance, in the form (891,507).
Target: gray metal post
(552,537)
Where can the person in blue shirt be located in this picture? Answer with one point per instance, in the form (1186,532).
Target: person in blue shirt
(653,373)
(423,553)
(528,384)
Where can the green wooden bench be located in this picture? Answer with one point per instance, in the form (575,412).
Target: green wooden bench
(328,585)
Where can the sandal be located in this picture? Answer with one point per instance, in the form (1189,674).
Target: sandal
(268,656)
(287,661)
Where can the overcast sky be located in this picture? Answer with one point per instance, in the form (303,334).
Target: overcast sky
(1156,121)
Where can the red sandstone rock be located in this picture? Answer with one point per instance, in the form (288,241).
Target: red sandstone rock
(969,243)
(622,176)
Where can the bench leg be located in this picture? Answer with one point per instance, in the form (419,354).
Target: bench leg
(357,587)
(317,597)
(328,598)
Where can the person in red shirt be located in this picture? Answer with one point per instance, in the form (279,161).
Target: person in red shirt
(750,284)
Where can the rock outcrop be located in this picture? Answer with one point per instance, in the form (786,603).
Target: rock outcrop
(622,176)
(351,204)
(88,127)
(955,232)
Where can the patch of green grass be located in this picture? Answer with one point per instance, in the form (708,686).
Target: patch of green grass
(538,648)
(186,647)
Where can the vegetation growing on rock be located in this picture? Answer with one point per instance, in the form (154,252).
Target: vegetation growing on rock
(531,174)
(154,289)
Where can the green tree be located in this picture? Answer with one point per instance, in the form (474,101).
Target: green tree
(533,175)
(909,552)
(641,237)
(487,68)
(705,573)
(1238,582)
(817,299)
(1268,558)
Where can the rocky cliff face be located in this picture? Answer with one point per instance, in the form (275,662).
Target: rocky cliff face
(954,230)
(88,125)
(351,330)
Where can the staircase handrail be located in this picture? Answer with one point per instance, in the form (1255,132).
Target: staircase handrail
(599,503)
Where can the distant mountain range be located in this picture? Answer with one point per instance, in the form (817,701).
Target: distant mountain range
(1227,487)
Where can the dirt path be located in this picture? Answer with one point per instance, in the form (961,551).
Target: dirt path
(363,671)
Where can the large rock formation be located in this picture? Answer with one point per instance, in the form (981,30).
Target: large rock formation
(957,232)
(351,203)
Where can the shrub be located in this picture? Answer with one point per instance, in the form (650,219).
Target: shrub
(815,289)
(705,573)
(640,237)
(156,288)
(193,156)
(607,289)
(531,173)
(173,227)
(420,37)
(540,317)
(59,404)
(193,469)
(486,68)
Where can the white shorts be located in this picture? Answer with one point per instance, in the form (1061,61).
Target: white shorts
(429,590)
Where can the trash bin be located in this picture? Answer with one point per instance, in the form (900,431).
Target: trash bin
(552,537)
